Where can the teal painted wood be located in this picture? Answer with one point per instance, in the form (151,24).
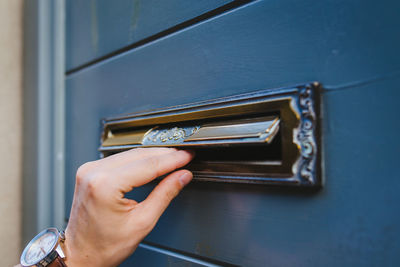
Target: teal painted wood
(353,221)
(148,257)
(98,27)
(253,47)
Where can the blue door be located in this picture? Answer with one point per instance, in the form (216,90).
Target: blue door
(136,56)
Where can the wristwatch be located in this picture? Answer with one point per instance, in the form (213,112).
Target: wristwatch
(44,250)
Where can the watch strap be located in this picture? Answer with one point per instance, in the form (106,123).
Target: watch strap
(58,262)
(53,260)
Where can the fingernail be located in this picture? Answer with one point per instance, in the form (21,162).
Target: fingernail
(185,178)
(191,152)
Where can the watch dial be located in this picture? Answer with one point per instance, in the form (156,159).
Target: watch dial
(41,247)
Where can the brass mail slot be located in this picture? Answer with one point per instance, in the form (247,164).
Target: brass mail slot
(259,130)
(268,137)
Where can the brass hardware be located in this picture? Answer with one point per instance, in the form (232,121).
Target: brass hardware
(269,137)
(260,130)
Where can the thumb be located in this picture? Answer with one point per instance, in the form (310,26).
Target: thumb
(159,199)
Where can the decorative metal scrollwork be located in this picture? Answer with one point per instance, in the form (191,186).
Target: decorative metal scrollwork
(306,134)
(169,135)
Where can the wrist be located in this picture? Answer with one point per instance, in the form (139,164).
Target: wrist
(78,254)
(68,260)
(72,254)
(72,258)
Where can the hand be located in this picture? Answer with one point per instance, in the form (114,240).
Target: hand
(105,227)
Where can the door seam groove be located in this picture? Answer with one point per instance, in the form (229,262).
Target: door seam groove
(179,27)
(183,255)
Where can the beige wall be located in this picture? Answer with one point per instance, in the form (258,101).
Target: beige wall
(10,128)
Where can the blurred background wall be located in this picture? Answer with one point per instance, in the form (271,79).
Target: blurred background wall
(11,130)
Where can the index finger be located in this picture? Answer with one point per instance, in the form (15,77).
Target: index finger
(141,172)
(131,155)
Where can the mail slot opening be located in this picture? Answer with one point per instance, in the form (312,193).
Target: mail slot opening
(250,153)
(251,138)
(265,154)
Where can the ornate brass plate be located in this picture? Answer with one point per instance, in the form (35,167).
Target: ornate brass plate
(266,137)
(260,130)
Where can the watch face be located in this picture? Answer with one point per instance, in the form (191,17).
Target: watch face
(39,247)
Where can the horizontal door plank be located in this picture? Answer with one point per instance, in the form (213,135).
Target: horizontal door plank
(98,27)
(266,44)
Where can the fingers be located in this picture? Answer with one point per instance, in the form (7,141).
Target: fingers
(131,155)
(162,195)
(140,172)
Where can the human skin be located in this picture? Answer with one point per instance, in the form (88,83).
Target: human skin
(104,227)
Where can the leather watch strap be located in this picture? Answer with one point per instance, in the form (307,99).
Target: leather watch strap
(58,262)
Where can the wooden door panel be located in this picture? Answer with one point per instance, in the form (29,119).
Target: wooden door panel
(257,46)
(153,257)
(353,220)
(355,212)
(99,27)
